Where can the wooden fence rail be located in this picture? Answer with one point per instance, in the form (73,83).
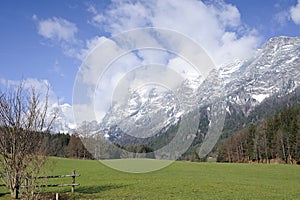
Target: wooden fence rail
(72,185)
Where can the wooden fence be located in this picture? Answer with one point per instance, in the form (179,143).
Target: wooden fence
(72,185)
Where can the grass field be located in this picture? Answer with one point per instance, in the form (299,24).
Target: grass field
(180,180)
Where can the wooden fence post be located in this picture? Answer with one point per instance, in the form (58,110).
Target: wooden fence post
(73,181)
(27,182)
(56,196)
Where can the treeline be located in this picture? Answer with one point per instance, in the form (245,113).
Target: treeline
(71,146)
(275,139)
(65,145)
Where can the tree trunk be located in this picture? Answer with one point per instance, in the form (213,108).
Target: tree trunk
(283,151)
(15,193)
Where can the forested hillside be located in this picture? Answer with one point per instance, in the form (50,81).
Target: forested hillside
(65,145)
(274,139)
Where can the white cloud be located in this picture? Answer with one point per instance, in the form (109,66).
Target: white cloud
(83,112)
(90,45)
(216,26)
(227,14)
(57,29)
(91,8)
(124,16)
(34,17)
(41,86)
(295,13)
(282,17)
(209,24)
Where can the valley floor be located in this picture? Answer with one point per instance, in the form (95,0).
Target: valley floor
(180,180)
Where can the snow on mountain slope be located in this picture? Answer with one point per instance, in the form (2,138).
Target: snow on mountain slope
(65,122)
(273,70)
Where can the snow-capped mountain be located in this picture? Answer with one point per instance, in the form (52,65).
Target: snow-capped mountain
(64,122)
(274,71)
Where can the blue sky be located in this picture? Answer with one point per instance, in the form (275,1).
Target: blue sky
(48,40)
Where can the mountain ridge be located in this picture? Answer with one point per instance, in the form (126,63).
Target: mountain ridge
(272,72)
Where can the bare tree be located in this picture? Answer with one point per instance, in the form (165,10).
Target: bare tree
(24,117)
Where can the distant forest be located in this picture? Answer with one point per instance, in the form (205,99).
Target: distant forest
(71,146)
(274,139)
(271,140)
(65,145)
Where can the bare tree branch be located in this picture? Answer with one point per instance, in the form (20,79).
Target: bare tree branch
(23,119)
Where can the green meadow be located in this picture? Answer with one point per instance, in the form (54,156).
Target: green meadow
(180,180)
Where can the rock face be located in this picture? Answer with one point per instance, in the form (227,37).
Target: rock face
(245,87)
(274,71)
